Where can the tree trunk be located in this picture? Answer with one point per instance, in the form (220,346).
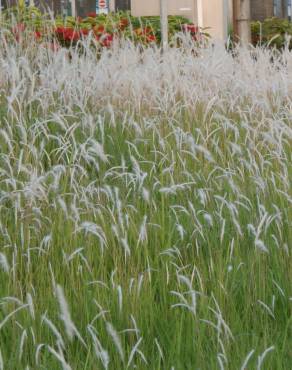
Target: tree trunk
(242,30)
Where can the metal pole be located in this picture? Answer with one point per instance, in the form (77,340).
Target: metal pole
(164,24)
(225,19)
(73,8)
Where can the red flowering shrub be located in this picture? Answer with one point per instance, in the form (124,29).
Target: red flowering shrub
(104,29)
(18,30)
(145,35)
(92,15)
(98,30)
(123,23)
(151,38)
(20,27)
(37,35)
(190,28)
(67,34)
(194,31)
(106,40)
(84,32)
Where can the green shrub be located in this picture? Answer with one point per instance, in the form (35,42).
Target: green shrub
(103,28)
(273,32)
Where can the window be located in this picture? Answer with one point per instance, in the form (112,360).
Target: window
(123,5)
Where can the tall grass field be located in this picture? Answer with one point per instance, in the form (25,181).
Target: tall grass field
(145,208)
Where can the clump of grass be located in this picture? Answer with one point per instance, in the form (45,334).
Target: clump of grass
(145,207)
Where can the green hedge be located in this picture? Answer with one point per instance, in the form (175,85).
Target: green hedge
(273,32)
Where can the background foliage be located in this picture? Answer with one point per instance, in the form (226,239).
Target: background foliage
(273,32)
(104,29)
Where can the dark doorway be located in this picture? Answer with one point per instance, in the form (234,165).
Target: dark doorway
(123,5)
(84,7)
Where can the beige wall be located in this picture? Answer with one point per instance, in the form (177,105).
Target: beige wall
(184,8)
(215,16)
(204,13)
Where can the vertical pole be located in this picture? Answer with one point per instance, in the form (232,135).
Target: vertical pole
(225,19)
(73,8)
(234,12)
(200,13)
(112,6)
(242,21)
(164,24)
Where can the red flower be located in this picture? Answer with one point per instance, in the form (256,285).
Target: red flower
(138,31)
(18,30)
(72,35)
(67,34)
(91,15)
(190,28)
(99,29)
(106,40)
(147,30)
(151,38)
(20,27)
(84,32)
(37,35)
(143,31)
(123,23)
(60,30)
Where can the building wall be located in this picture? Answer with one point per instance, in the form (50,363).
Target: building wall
(213,14)
(48,5)
(83,7)
(262,9)
(186,8)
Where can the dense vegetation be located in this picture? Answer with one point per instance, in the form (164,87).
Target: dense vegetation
(103,30)
(146,207)
(274,32)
